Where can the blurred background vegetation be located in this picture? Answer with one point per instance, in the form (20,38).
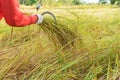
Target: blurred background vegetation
(67,2)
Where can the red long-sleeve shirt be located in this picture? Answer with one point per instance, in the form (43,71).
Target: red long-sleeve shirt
(10,10)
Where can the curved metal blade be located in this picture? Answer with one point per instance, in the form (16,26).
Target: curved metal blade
(47,12)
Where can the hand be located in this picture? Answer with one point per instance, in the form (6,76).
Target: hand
(40,19)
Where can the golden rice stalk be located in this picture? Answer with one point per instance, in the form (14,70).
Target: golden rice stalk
(58,33)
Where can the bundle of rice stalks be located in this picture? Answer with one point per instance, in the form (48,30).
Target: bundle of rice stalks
(59,33)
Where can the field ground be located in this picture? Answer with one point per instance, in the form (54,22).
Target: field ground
(27,53)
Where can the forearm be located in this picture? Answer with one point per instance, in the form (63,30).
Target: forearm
(13,15)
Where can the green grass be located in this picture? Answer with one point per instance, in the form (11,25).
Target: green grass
(30,54)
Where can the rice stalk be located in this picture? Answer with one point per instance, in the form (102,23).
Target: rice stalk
(58,33)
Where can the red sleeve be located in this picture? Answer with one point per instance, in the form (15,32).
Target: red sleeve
(13,16)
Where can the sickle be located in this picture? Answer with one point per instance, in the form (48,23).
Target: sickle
(47,12)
